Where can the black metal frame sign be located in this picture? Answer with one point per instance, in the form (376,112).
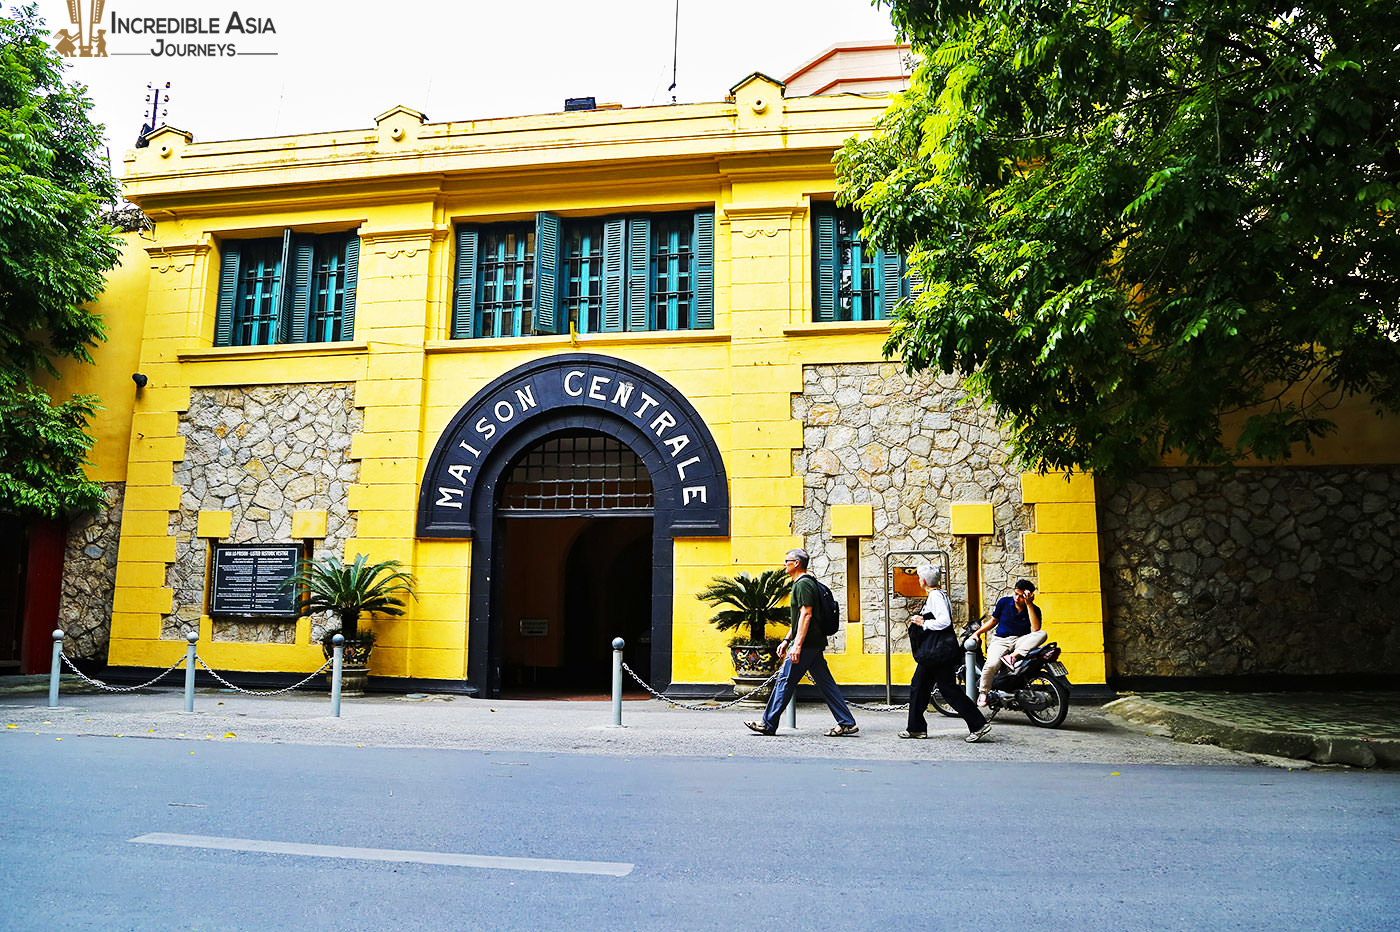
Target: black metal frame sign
(249,581)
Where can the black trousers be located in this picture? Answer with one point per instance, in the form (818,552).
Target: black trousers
(927,676)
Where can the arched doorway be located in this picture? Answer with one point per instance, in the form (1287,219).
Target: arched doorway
(574,517)
(462,496)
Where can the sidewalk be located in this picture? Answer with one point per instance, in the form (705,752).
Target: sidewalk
(1358,729)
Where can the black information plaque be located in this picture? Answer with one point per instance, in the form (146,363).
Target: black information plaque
(249,578)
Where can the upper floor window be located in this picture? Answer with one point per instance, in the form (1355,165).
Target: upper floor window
(641,272)
(854,279)
(299,288)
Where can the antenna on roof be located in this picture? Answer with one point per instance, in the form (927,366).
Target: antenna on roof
(675,51)
(157,97)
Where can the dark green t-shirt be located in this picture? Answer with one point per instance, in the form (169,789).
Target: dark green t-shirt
(804,592)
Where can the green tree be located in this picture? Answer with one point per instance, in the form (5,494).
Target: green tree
(1148,227)
(54,251)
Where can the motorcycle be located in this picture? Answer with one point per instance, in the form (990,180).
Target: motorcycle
(1037,685)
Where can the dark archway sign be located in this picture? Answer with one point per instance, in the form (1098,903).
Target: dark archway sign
(578,390)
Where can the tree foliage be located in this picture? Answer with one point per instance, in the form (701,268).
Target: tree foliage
(352,590)
(755,602)
(54,252)
(1137,221)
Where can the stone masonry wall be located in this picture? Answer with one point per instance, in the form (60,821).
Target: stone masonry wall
(261,453)
(90,578)
(910,447)
(1252,571)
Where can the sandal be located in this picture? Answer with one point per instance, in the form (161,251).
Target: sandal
(843,731)
(913,734)
(758,728)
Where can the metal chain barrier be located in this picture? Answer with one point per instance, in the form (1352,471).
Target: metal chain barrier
(119,689)
(698,708)
(256,692)
(725,705)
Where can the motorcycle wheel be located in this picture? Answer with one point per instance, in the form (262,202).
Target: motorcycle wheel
(938,702)
(1056,704)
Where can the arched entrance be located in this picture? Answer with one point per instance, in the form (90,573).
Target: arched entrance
(463,496)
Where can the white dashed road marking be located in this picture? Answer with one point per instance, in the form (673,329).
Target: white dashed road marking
(548,865)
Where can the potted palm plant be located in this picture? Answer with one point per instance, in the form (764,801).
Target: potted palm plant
(751,604)
(350,591)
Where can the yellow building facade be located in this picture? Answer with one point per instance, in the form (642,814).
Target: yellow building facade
(553,482)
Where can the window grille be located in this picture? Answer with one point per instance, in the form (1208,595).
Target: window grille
(507,273)
(327,290)
(583,270)
(255,306)
(578,473)
(671,258)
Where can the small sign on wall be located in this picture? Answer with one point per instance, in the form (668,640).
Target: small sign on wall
(534,627)
(249,581)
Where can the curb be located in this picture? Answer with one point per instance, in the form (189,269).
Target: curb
(1196,728)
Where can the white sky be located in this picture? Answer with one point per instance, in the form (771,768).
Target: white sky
(340,63)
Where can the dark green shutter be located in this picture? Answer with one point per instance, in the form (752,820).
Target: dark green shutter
(464,295)
(614,259)
(892,280)
(303,252)
(915,279)
(546,311)
(639,274)
(281,300)
(702,283)
(228,291)
(352,277)
(825,309)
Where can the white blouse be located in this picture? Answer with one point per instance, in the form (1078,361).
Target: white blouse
(938,605)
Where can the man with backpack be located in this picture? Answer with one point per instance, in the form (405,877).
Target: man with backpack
(801,651)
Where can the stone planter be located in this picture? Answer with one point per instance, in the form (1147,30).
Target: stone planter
(753,665)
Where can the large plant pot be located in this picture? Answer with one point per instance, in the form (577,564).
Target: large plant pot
(354,677)
(753,665)
(354,669)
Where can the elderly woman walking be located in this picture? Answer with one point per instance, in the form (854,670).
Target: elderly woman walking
(938,669)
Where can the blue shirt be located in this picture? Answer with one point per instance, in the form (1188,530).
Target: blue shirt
(1011,623)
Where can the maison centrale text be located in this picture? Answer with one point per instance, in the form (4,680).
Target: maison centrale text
(623,396)
(234,24)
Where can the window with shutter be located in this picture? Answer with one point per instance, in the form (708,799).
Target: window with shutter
(853,280)
(602,275)
(296,289)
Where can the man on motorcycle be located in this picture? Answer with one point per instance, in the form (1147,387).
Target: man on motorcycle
(1017,621)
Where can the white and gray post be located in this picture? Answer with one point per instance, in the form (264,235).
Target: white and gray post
(193,638)
(970,666)
(337,666)
(618,645)
(55,668)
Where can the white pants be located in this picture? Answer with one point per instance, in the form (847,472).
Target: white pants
(998,647)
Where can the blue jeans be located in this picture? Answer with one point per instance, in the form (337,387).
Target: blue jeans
(785,689)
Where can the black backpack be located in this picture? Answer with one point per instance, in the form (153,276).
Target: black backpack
(827,613)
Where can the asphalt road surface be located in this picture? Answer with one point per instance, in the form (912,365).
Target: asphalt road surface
(111,833)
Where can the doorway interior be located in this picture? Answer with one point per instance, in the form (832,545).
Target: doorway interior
(572,584)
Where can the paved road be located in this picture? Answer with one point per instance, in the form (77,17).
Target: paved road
(624,841)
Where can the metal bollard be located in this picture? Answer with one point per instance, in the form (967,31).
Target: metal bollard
(970,667)
(618,644)
(57,666)
(790,713)
(337,665)
(193,638)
